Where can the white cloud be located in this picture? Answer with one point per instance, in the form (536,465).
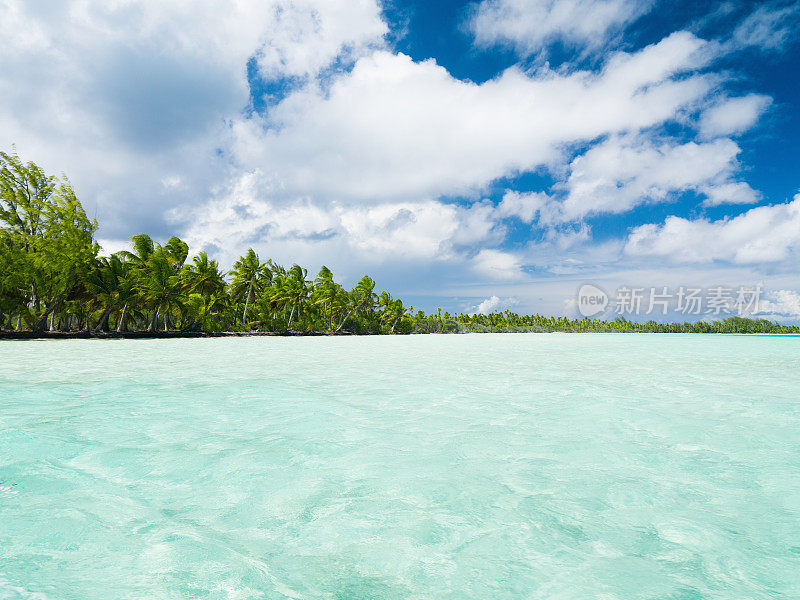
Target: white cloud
(495,304)
(733,192)
(768,27)
(110,246)
(124,95)
(733,116)
(761,235)
(286,37)
(307,35)
(625,171)
(496,264)
(396,129)
(247,215)
(523,206)
(783,303)
(530,25)
(130,105)
(568,236)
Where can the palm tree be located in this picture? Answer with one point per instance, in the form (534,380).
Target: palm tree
(103,283)
(113,285)
(176,252)
(397,311)
(384,303)
(294,290)
(249,275)
(324,276)
(161,287)
(143,247)
(203,276)
(204,309)
(203,279)
(127,294)
(325,293)
(361,297)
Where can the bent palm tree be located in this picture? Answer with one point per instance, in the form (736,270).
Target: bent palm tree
(103,283)
(361,297)
(249,276)
(161,287)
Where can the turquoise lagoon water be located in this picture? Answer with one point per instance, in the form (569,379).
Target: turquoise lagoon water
(483,467)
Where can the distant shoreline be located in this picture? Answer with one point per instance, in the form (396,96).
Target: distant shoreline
(156,335)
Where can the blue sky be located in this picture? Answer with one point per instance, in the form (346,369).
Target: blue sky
(494,154)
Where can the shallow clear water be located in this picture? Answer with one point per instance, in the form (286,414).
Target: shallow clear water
(461,467)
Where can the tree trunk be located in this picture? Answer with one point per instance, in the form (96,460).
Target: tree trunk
(102,325)
(247,302)
(344,320)
(121,325)
(35,299)
(154,321)
(40,323)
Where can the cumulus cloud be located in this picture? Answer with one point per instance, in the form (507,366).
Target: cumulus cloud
(622,172)
(530,25)
(394,128)
(140,114)
(761,235)
(245,215)
(568,236)
(496,264)
(524,206)
(625,171)
(733,116)
(495,304)
(306,36)
(780,303)
(126,95)
(732,192)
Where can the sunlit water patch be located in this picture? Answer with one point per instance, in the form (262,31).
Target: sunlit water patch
(483,467)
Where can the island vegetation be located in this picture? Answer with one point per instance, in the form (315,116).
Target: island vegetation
(53,279)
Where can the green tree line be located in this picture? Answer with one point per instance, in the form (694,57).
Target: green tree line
(510,322)
(53,278)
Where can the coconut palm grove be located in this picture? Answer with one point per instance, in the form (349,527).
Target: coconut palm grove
(53,279)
